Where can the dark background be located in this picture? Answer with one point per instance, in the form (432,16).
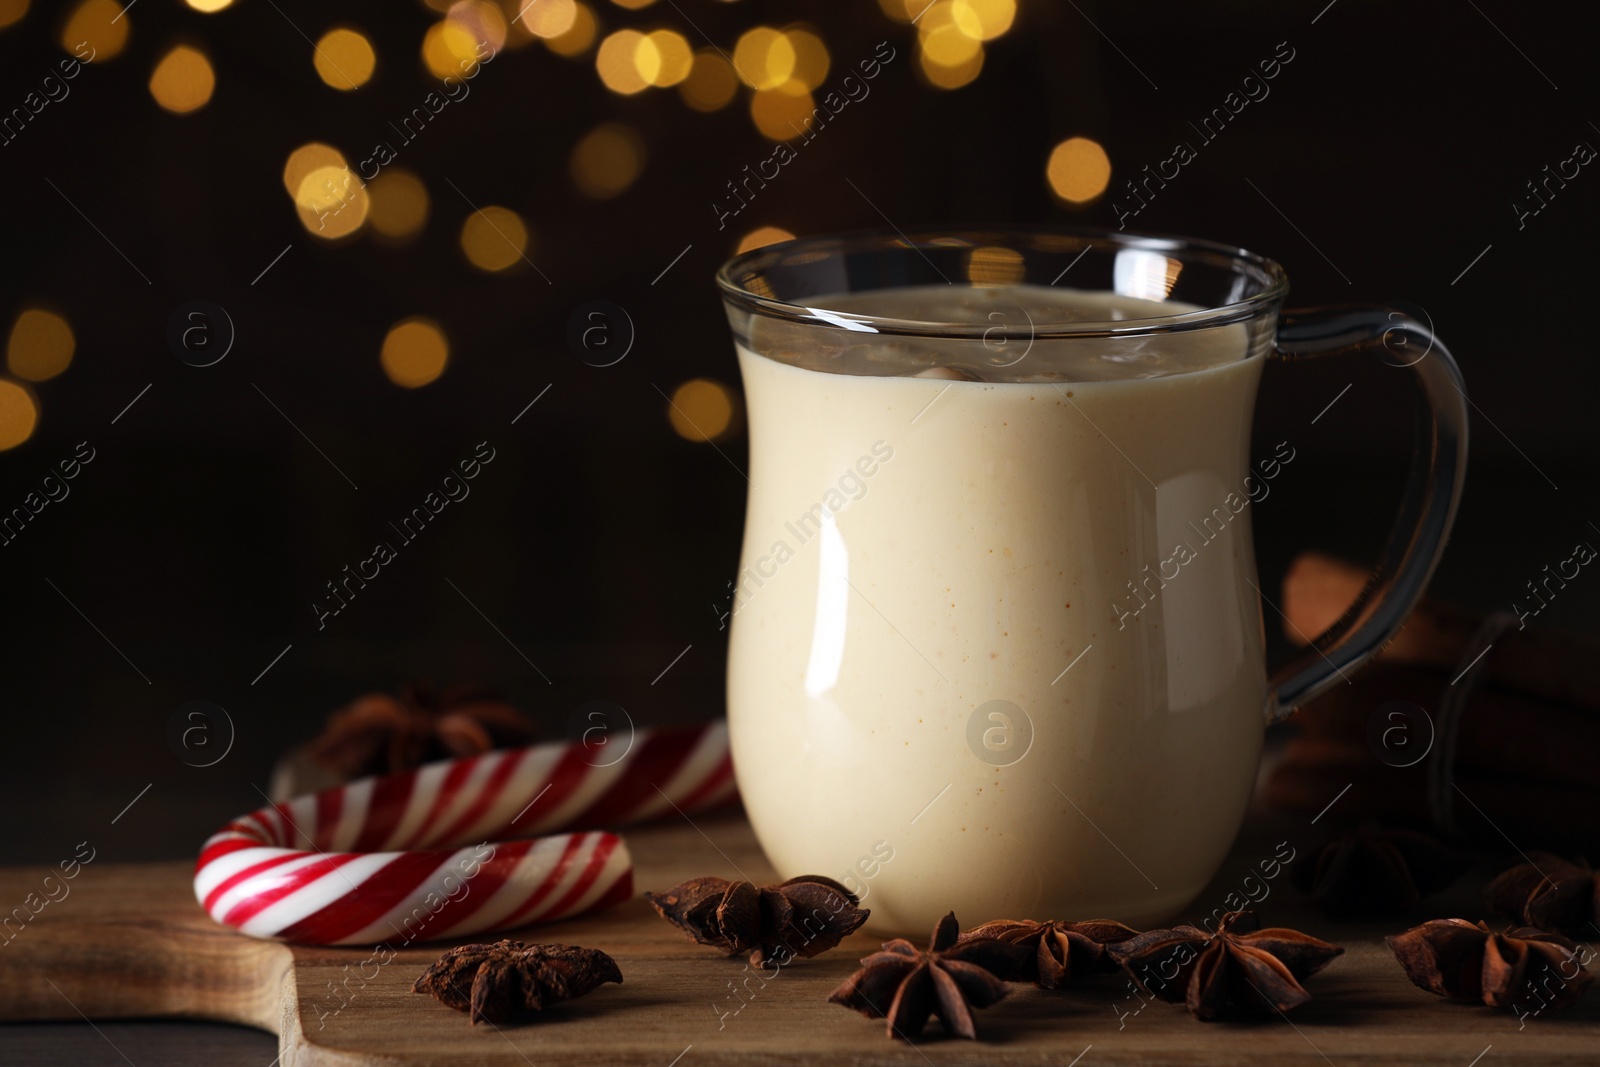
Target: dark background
(598,541)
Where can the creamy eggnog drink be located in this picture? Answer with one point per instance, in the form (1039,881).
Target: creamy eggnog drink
(996,643)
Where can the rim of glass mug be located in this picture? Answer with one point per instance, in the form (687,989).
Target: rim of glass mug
(1259,283)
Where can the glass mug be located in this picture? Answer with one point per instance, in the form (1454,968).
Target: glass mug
(997,639)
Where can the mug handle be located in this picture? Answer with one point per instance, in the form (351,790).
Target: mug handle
(1433,491)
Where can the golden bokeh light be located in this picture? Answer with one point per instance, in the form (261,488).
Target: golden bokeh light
(949,34)
(942,77)
(903,10)
(446,47)
(18,414)
(332,202)
(1079,170)
(781,113)
(548,18)
(991,265)
(414,352)
(41,345)
(622,60)
(494,238)
(810,58)
(12,11)
(305,159)
(764,58)
(344,59)
(711,83)
(633,5)
(209,7)
(482,19)
(762,236)
(988,18)
(701,409)
(183,81)
(607,160)
(673,58)
(92,23)
(575,40)
(399,205)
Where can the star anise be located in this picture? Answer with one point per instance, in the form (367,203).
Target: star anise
(1377,872)
(801,917)
(1059,952)
(1240,970)
(509,981)
(906,985)
(1469,962)
(1549,893)
(381,734)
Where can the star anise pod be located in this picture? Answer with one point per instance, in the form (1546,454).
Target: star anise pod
(381,734)
(1059,952)
(1240,970)
(1377,872)
(509,981)
(1471,963)
(801,917)
(906,985)
(1549,893)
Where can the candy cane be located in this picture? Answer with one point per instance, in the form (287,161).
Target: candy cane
(384,866)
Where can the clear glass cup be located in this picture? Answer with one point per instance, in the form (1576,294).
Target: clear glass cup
(997,639)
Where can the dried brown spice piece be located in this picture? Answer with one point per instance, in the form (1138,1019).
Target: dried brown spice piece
(1240,970)
(509,982)
(803,916)
(1059,952)
(1549,893)
(1372,871)
(1523,969)
(906,985)
(381,734)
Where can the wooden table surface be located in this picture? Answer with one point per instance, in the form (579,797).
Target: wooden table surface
(130,942)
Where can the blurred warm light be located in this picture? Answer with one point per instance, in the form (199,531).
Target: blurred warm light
(208,7)
(91,23)
(305,159)
(990,265)
(989,18)
(446,46)
(18,414)
(576,40)
(673,58)
(903,10)
(494,238)
(399,205)
(41,345)
(182,81)
(810,58)
(943,77)
(618,62)
(633,5)
(607,160)
(548,18)
(949,34)
(344,59)
(414,352)
(11,12)
(483,20)
(761,237)
(781,113)
(332,202)
(764,58)
(711,83)
(1079,170)
(701,409)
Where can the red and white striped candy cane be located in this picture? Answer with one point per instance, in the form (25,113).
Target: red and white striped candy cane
(384,862)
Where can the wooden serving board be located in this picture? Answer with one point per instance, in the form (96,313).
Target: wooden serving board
(130,941)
